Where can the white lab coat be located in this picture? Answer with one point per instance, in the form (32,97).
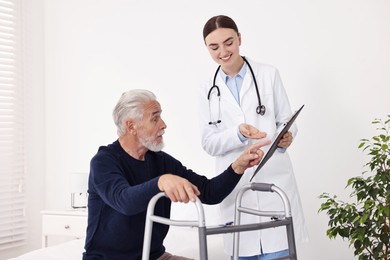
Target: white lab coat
(221,141)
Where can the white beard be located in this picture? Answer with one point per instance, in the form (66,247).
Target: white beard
(151,144)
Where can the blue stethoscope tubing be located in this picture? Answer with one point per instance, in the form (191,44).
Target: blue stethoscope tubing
(260,109)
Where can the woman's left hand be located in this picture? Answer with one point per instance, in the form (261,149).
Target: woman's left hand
(286,140)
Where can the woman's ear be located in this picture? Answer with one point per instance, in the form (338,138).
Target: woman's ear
(239,39)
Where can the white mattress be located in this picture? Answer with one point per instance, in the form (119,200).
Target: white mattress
(71,250)
(188,237)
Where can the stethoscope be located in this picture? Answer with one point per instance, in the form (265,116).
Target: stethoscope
(260,109)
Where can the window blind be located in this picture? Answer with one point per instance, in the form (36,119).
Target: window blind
(13,229)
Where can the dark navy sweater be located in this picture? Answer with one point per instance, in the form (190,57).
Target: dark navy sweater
(120,188)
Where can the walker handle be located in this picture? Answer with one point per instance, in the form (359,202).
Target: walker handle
(266,187)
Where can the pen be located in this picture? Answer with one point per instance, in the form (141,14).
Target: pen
(228,223)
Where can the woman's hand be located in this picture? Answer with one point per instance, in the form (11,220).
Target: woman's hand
(286,140)
(251,132)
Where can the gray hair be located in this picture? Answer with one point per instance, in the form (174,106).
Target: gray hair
(130,106)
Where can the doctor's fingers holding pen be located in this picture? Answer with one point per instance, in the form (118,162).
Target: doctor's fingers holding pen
(179,189)
(251,132)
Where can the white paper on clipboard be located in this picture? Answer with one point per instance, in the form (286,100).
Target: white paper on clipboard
(274,144)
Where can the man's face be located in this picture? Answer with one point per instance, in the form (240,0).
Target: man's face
(150,129)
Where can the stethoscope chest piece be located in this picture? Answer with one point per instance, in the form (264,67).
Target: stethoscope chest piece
(260,110)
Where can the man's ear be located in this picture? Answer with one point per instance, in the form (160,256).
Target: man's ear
(130,127)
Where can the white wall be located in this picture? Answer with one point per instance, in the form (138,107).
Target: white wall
(33,74)
(333,57)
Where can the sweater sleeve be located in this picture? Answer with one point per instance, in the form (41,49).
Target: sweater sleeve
(212,191)
(108,181)
(215,190)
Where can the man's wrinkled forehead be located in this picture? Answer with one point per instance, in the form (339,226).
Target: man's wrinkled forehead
(152,108)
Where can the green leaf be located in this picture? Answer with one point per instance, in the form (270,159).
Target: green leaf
(343,232)
(356,219)
(357,244)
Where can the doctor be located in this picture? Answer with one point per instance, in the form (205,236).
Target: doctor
(242,98)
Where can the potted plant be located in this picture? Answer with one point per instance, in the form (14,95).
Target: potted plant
(366,222)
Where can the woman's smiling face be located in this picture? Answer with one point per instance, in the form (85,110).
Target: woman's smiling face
(223,45)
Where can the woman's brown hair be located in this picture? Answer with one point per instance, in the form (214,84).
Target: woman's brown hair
(219,21)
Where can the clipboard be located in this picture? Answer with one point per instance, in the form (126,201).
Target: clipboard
(274,144)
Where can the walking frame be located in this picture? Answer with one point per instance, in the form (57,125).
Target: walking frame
(278,218)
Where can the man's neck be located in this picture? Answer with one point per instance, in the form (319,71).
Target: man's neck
(132,148)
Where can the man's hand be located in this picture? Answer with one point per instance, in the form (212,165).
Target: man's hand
(250,157)
(286,140)
(177,188)
(251,132)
